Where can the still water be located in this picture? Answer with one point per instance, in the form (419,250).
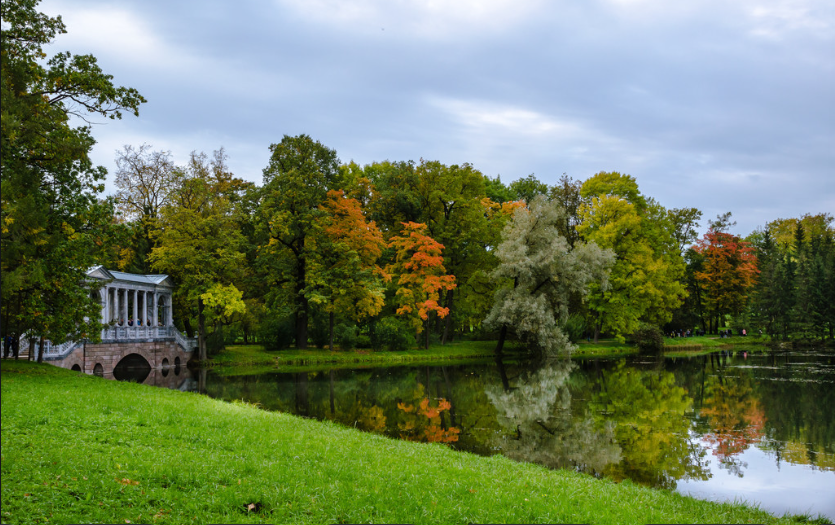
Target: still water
(723,426)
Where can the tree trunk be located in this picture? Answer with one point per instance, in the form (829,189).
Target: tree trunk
(302,310)
(426,344)
(448,320)
(188,327)
(40,350)
(330,328)
(500,343)
(201,331)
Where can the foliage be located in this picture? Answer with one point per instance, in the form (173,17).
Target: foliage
(541,272)
(644,284)
(51,220)
(392,334)
(345,336)
(199,244)
(730,269)
(296,182)
(420,272)
(648,338)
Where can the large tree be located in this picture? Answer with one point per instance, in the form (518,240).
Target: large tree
(541,272)
(296,183)
(644,285)
(198,241)
(51,217)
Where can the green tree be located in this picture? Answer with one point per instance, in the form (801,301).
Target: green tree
(542,272)
(51,218)
(199,244)
(645,281)
(296,182)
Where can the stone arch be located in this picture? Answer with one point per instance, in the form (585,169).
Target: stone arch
(76,368)
(98,370)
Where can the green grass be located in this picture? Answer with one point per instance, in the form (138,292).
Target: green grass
(256,355)
(79,448)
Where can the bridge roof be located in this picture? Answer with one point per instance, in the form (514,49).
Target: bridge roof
(100,272)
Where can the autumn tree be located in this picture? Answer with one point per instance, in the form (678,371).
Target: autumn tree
(198,242)
(730,270)
(420,275)
(541,272)
(344,275)
(300,173)
(50,218)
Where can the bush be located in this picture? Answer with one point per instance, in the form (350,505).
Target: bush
(219,339)
(319,329)
(574,328)
(345,336)
(393,334)
(276,333)
(363,341)
(648,338)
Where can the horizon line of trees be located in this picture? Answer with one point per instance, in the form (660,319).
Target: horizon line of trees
(381,255)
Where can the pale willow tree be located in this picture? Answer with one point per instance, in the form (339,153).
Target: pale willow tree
(537,412)
(543,272)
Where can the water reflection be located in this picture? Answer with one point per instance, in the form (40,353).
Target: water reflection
(180,378)
(683,423)
(540,426)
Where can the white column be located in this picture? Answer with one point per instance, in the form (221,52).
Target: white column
(116,309)
(135,312)
(103,305)
(155,314)
(170,310)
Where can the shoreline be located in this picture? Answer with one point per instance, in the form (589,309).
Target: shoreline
(93,450)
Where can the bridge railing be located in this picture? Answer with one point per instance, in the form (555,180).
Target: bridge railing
(117,333)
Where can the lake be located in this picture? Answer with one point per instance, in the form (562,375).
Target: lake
(722,426)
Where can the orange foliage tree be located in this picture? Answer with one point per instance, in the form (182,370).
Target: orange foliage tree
(730,271)
(419,266)
(346,275)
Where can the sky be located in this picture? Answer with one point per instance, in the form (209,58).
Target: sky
(722,106)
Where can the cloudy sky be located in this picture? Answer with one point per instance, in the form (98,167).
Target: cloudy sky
(722,105)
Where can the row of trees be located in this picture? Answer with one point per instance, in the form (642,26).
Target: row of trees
(374,255)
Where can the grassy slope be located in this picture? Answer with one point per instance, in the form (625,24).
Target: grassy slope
(83,449)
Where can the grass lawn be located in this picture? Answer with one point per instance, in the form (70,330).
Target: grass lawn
(81,449)
(256,355)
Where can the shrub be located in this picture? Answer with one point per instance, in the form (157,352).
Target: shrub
(574,328)
(393,334)
(363,341)
(648,338)
(345,336)
(276,333)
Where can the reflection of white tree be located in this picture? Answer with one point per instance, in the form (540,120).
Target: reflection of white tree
(537,411)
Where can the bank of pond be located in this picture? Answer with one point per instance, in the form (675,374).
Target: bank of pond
(594,440)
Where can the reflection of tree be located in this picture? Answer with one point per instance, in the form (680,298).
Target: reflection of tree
(422,422)
(735,417)
(537,411)
(649,410)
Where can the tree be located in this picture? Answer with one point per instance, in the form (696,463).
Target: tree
(644,284)
(420,272)
(296,182)
(730,270)
(199,244)
(51,218)
(345,272)
(541,271)
(145,179)
(527,188)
